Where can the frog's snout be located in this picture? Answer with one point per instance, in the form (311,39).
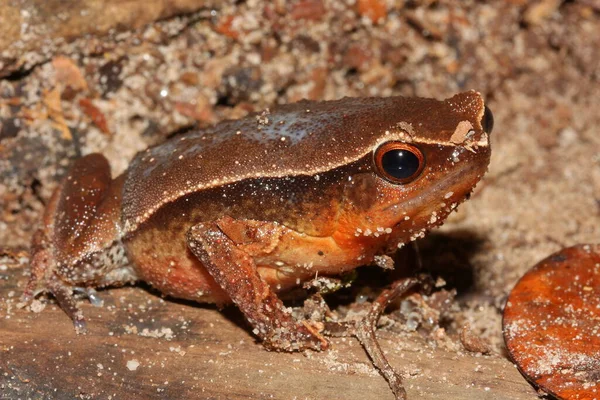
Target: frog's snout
(487,121)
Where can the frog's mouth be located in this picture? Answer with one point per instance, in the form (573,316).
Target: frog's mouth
(429,207)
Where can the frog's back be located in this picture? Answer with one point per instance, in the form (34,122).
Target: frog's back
(304,138)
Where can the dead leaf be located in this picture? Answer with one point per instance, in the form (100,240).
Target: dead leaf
(68,74)
(552,323)
(95,114)
(51,100)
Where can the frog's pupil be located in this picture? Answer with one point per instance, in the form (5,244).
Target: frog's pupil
(400,163)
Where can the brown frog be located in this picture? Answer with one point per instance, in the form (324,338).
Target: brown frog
(243,210)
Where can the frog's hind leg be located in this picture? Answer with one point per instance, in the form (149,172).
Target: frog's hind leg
(226,248)
(80,225)
(41,257)
(42,277)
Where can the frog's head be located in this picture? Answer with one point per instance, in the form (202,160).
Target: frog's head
(419,171)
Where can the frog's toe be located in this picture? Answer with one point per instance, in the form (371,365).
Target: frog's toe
(63,294)
(95,300)
(25,299)
(80,325)
(28,296)
(65,299)
(91,294)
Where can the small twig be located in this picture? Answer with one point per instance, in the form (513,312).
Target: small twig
(364,331)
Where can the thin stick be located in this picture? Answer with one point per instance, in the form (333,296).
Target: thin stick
(364,331)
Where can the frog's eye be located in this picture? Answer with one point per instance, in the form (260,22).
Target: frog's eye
(399,162)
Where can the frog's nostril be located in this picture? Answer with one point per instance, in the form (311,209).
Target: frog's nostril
(487,122)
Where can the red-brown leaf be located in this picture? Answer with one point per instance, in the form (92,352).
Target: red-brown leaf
(552,323)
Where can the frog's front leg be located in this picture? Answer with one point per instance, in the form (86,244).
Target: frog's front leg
(226,248)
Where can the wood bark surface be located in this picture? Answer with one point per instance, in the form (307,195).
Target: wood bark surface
(139,344)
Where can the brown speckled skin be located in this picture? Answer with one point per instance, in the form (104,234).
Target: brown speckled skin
(260,204)
(334,134)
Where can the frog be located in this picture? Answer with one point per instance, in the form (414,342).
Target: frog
(246,209)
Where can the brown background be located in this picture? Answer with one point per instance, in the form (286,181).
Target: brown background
(85,76)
